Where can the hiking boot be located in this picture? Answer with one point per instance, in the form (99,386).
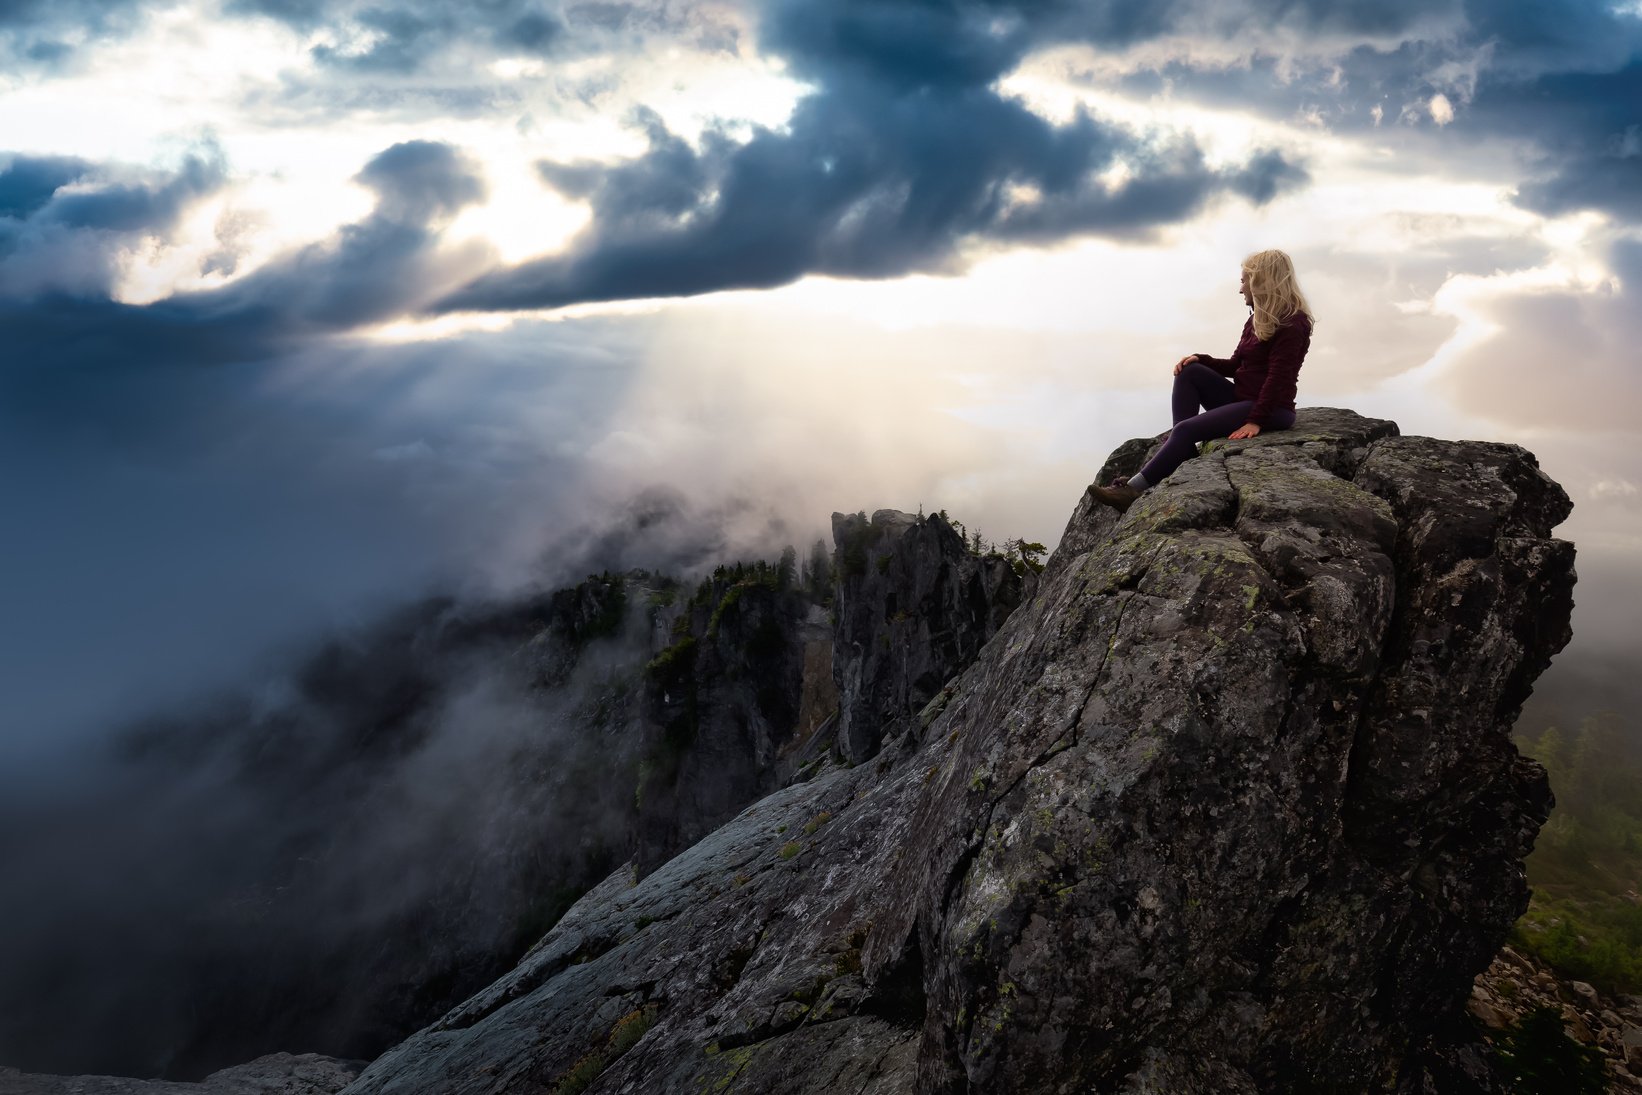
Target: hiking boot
(1120,496)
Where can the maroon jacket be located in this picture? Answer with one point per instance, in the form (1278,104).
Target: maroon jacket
(1266,372)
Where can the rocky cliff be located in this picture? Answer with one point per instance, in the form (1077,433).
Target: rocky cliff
(1229,806)
(755,689)
(723,714)
(914,606)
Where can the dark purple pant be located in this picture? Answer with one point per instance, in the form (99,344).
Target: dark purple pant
(1196,386)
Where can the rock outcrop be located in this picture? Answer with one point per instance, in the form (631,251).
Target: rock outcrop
(755,689)
(723,714)
(914,606)
(1229,806)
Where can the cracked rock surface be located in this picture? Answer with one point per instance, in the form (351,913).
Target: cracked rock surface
(1228,806)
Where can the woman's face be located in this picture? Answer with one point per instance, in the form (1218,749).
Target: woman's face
(1243,287)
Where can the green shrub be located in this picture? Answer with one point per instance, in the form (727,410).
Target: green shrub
(1025,556)
(627,1032)
(731,598)
(674,662)
(581,1074)
(630,1028)
(1541,1059)
(1582,920)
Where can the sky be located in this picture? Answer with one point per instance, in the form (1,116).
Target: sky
(308,309)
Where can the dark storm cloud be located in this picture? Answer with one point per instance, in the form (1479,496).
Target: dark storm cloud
(28,182)
(1559,36)
(405,34)
(374,269)
(64,221)
(905,153)
(16,14)
(1588,128)
(905,44)
(301,14)
(1565,78)
(421,181)
(136,207)
(107,198)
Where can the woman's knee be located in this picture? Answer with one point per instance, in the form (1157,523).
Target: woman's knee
(1197,371)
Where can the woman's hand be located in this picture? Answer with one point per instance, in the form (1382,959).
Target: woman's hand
(1183,362)
(1246,430)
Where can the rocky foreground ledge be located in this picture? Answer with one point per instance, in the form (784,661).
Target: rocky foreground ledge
(275,1074)
(1228,806)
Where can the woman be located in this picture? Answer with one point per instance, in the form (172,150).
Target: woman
(1264,369)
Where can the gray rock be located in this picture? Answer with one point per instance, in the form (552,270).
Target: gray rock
(275,1074)
(914,606)
(1586,993)
(1229,805)
(746,947)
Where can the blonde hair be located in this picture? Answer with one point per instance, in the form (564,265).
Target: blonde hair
(1274,291)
